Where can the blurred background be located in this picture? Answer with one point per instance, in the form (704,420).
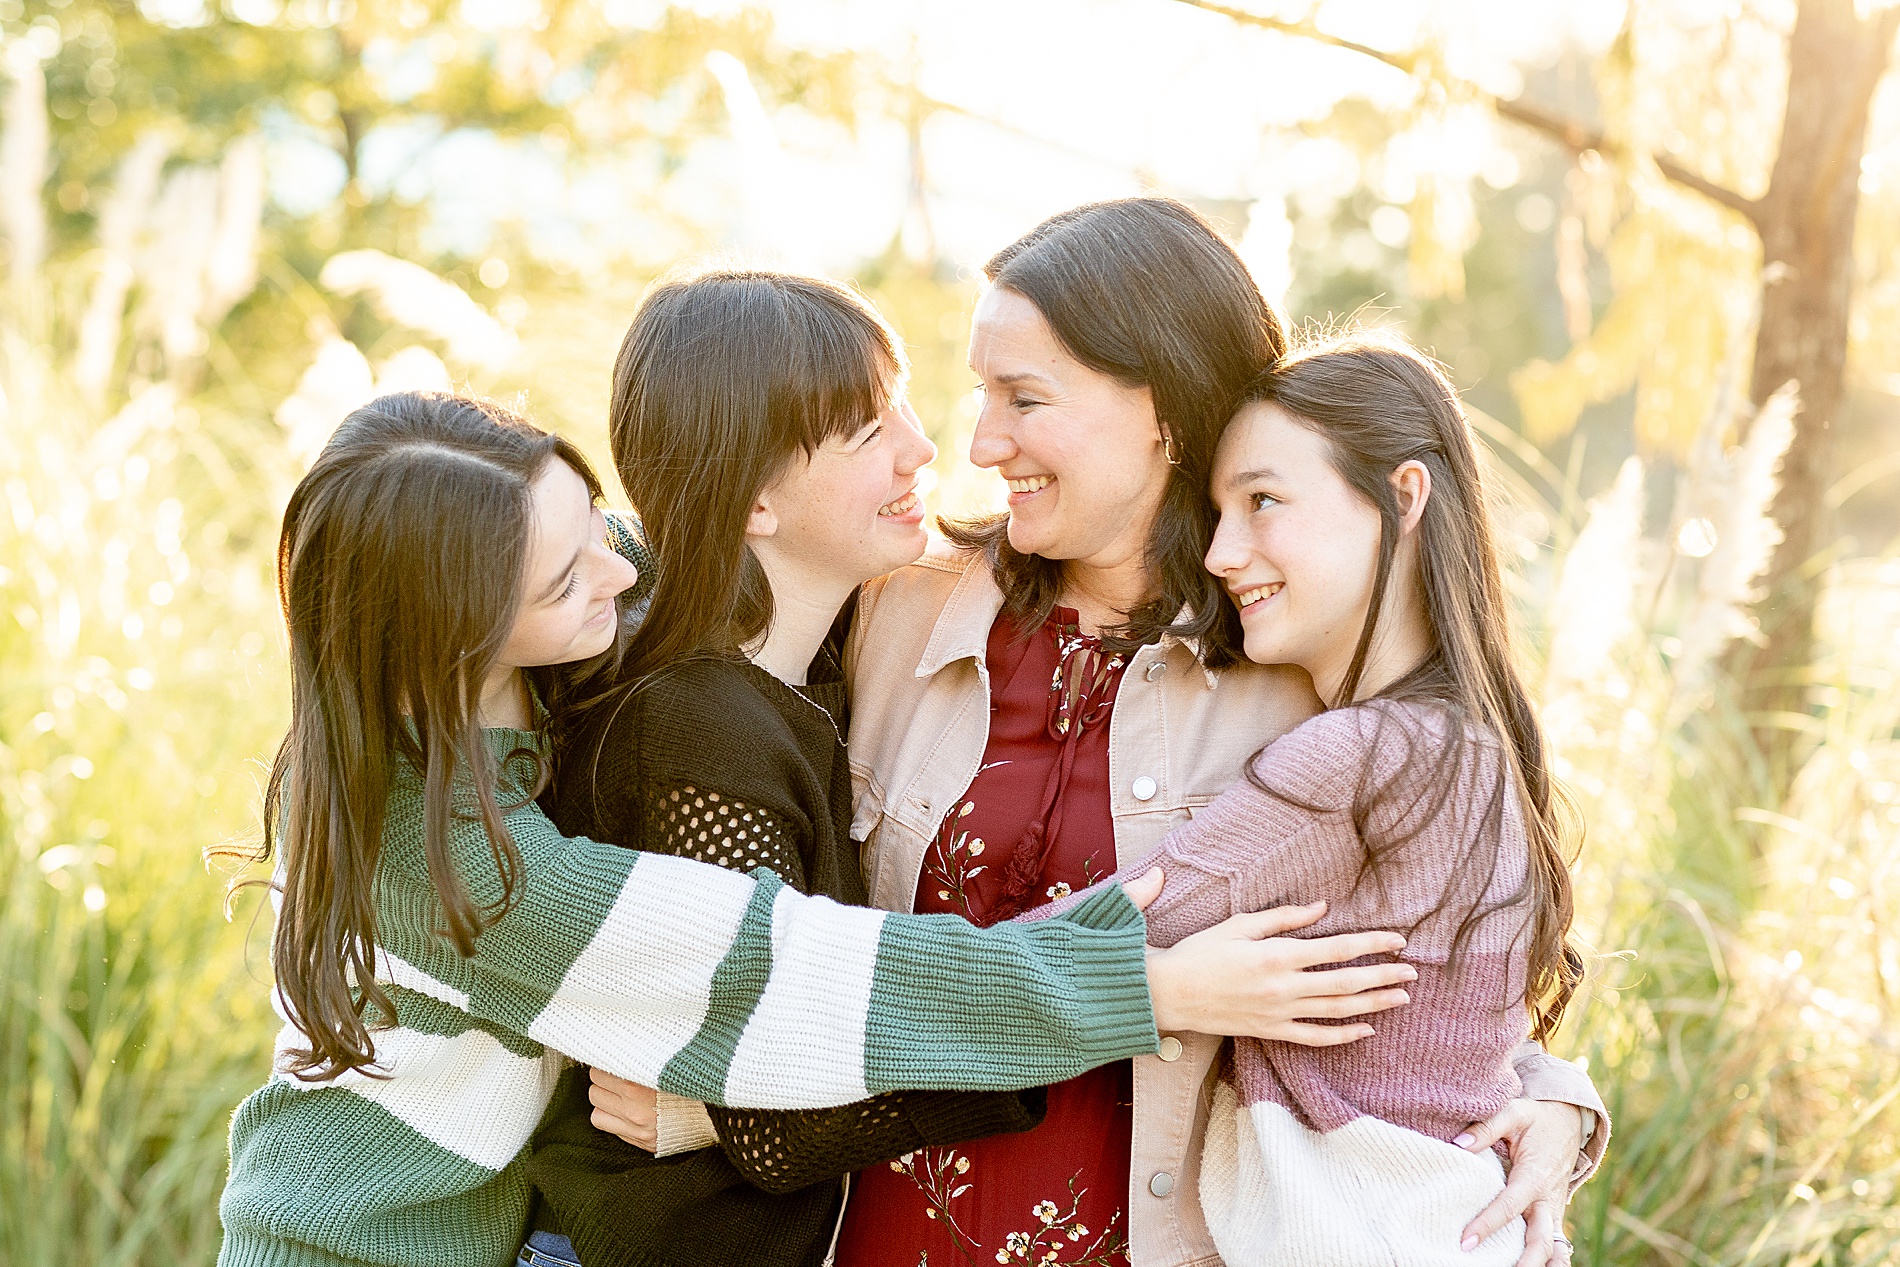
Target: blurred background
(1658,244)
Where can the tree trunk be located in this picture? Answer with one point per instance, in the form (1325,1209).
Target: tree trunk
(1806,220)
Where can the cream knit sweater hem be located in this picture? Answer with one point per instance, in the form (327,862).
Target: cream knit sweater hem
(1368,1194)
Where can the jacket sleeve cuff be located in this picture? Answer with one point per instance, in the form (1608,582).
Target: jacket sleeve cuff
(1548,1077)
(684,1126)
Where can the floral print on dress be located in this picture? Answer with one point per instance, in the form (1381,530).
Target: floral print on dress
(1055,1237)
(1034,825)
(950,861)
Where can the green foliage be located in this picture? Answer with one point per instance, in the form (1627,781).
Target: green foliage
(142,684)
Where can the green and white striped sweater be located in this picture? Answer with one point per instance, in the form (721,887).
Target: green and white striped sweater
(716,986)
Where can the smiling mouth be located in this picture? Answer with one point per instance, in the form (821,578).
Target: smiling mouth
(1034,484)
(1247,598)
(902,506)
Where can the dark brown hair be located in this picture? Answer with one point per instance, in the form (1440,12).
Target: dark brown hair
(723,378)
(1378,403)
(400,569)
(1146,291)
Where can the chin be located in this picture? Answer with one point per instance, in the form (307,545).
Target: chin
(1032,540)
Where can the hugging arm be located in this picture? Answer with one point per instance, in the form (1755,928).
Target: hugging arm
(782,1151)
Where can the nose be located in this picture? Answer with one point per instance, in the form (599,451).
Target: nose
(991,444)
(617,572)
(1227,552)
(916,451)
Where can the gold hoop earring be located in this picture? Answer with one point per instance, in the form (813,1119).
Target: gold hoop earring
(1167,447)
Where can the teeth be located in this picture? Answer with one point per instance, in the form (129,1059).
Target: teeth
(902,506)
(1252,596)
(1031,484)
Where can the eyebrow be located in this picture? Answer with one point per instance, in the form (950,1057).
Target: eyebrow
(1243,478)
(1020,376)
(561,579)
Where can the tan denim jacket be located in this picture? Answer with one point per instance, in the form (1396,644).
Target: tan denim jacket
(1178,736)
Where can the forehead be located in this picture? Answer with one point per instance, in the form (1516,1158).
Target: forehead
(1007,325)
(563,516)
(1263,435)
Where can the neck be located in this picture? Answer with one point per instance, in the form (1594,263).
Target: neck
(803,606)
(1399,645)
(504,700)
(1104,592)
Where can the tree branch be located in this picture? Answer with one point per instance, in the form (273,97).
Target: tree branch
(1572,135)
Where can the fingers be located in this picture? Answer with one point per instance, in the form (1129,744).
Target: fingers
(1343,948)
(1307,1034)
(1143,891)
(1505,1124)
(1352,981)
(624,1109)
(1540,1246)
(1274,922)
(1519,1192)
(1338,1007)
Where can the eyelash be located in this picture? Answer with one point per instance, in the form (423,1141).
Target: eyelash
(1255,499)
(1015,402)
(573,583)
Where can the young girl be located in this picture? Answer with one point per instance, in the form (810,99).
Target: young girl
(439,944)
(1355,542)
(759,423)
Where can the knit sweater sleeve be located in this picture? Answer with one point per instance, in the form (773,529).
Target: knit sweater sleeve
(1251,849)
(737,990)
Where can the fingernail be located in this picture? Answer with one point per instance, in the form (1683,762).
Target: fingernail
(1398,942)
(1465,1141)
(1411,973)
(1468,1244)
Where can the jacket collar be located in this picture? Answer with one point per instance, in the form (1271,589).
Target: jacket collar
(962,628)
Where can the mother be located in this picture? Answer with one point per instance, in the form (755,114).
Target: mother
(1069,675)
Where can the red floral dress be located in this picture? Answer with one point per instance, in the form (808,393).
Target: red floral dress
(1034,825)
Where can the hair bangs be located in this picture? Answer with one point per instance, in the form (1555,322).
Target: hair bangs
(842,368)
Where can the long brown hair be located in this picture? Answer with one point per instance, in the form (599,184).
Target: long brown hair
(1146,291)
(723,378)
(400,569)
(1379,403)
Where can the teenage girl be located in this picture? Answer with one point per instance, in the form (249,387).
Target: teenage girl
(439,944)
(1355,542)
(759,422)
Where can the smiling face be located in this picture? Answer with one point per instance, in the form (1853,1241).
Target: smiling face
(569,578)
(1082,452)
(850,509)
(1297,547)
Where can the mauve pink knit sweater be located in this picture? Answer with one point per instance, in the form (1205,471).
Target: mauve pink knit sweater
(1444,1060)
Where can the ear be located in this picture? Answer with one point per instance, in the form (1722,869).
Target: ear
(762,521)
(1412,488)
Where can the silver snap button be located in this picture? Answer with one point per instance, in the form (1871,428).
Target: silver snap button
(1162,1184)
(1143,788)
(1170,1048)
(1156,669)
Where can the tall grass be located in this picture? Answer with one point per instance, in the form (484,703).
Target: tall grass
(1740,1021)
(138,684)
